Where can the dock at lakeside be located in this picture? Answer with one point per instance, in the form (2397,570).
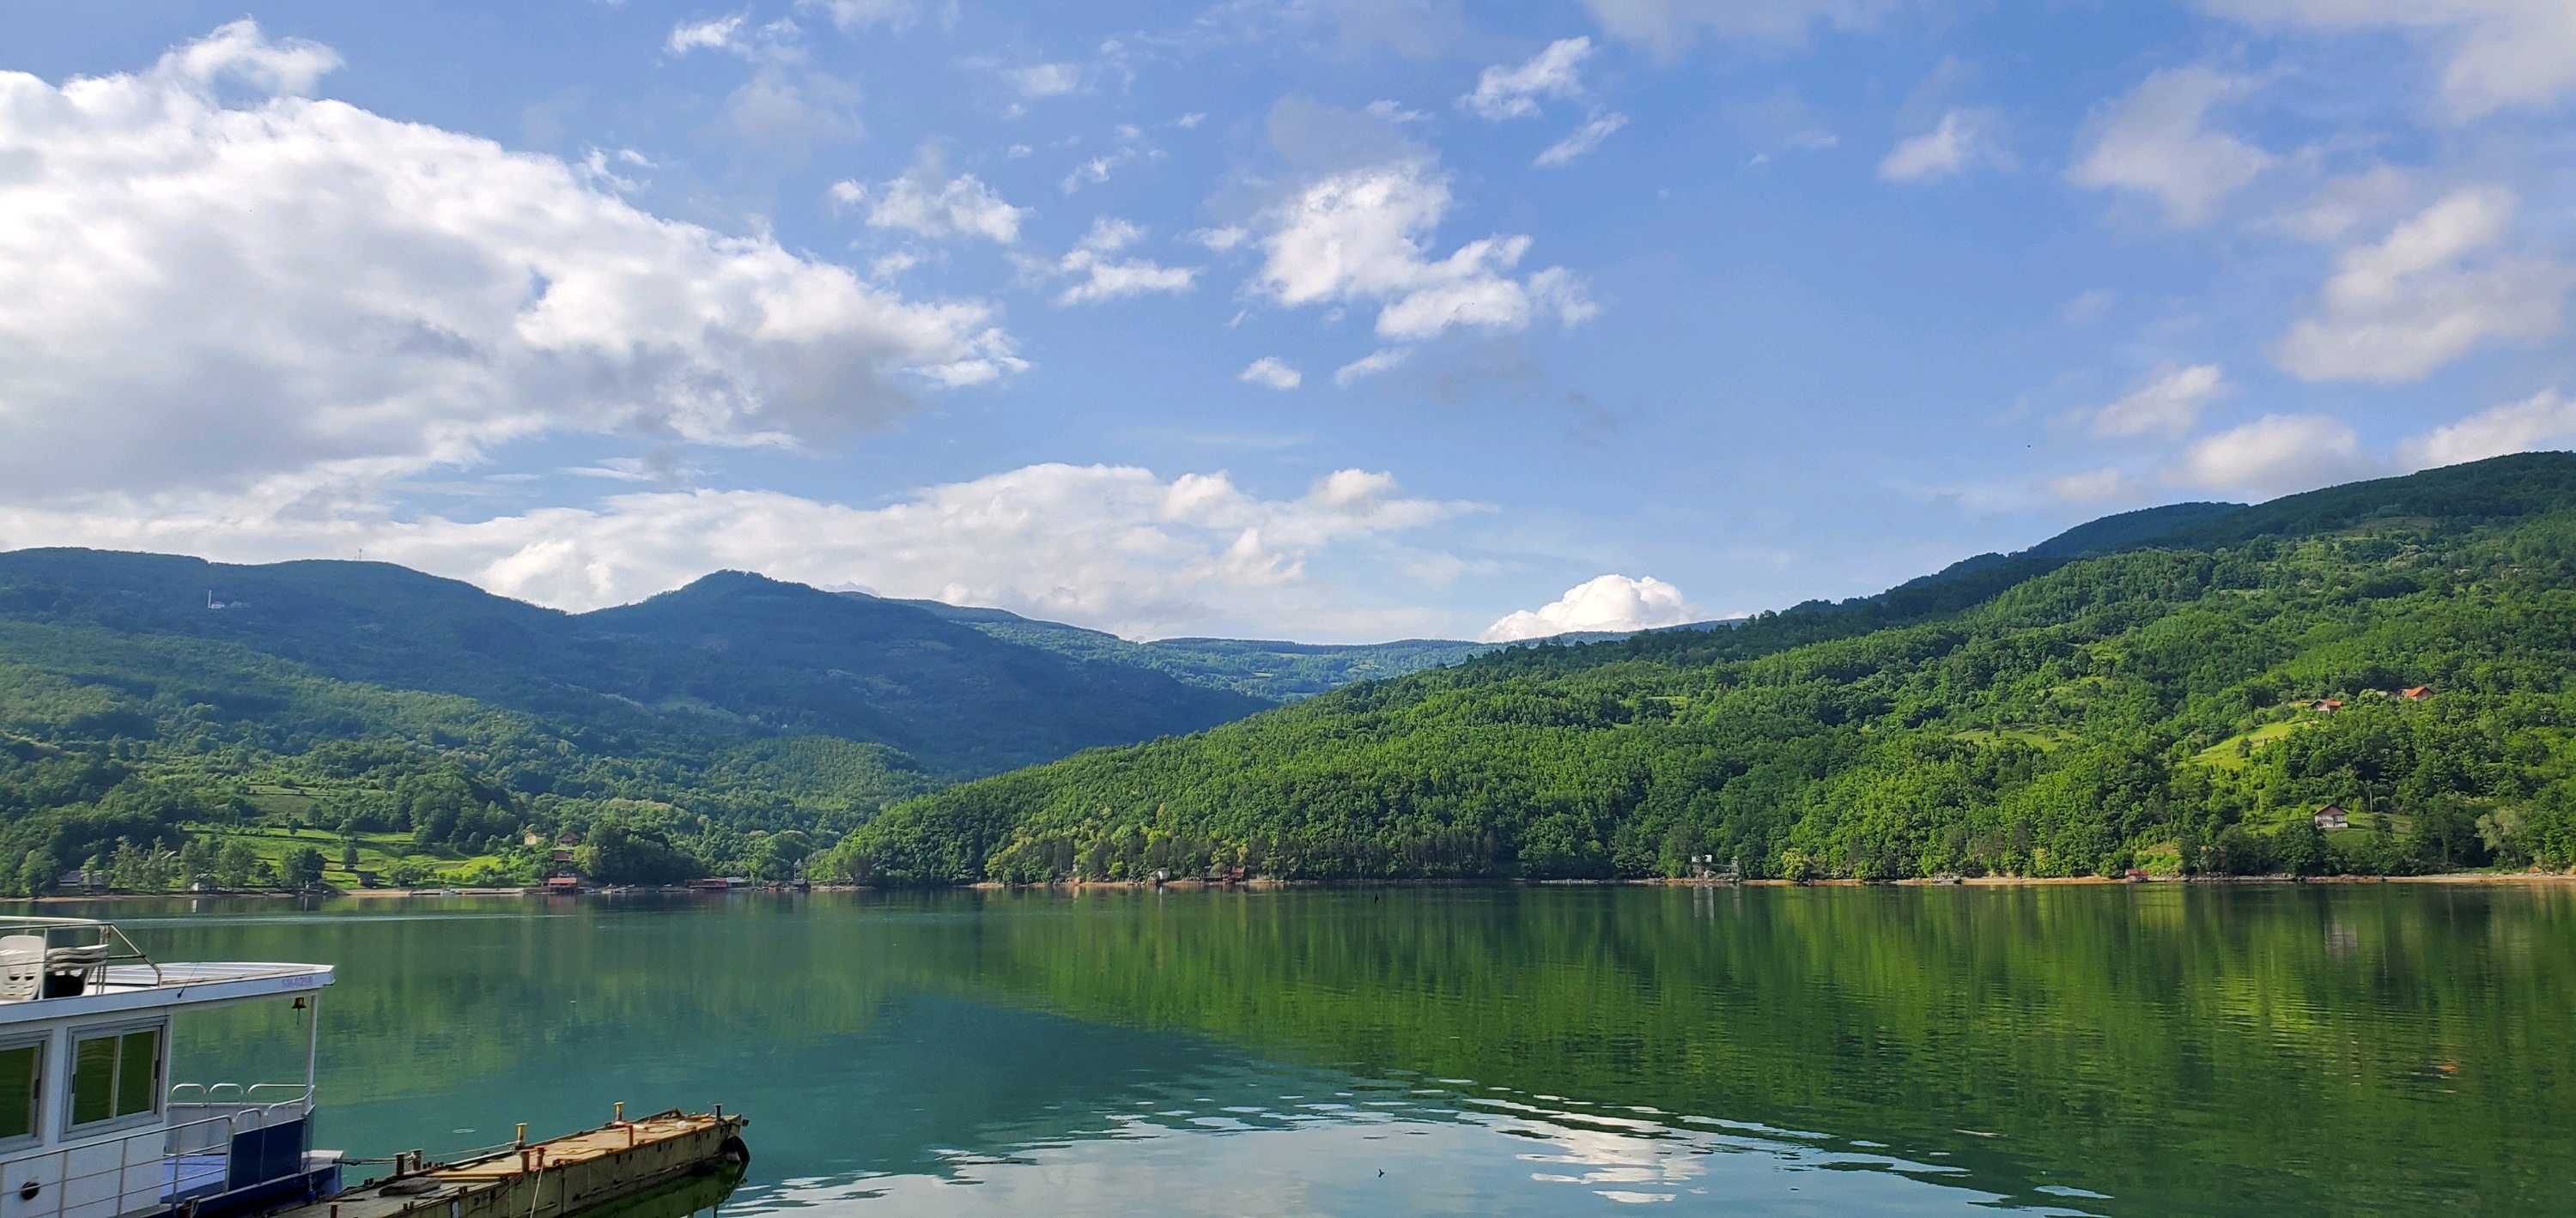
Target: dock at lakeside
(555,1178)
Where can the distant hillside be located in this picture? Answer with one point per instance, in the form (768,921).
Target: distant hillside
(1272,671)
(731,654)
(2135,697)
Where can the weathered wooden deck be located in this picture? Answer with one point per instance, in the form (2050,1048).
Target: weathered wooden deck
(555,1178)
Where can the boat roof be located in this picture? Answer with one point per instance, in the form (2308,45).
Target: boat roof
(129,981)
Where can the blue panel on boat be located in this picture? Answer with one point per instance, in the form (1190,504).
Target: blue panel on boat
(260,1155)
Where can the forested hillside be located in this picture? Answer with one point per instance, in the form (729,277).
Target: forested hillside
(2043,714)
(731,652)
(168,719)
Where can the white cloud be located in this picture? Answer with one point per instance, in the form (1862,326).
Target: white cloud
(1114,547)
(1271,372)
(1044,79)
(857,16)
(1607,602)
(779,42)
(712,35)
(287,67)
(2502,52)
(2544,420)
(1669,25)
(2276,455)
(2429,294)
(2155,142)
(1105,278)
(2170,403)
(301,295)
(1384,359)
(1131,147)
(919,202)
(1962,141)
(1221,239)
(1583,140)
(1359,236)
(2335,209)
(1503,92)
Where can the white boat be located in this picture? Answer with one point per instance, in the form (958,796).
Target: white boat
(91,1123)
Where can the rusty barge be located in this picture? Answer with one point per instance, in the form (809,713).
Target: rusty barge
(554,1178)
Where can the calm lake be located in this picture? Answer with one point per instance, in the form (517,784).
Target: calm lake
(2155,1049)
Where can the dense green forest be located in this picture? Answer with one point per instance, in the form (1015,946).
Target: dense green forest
(2059,712)
(164,720)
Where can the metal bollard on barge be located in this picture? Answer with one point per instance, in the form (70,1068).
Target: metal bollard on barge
(554,1178)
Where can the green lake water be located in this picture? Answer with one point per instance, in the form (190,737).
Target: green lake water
(2155,1049)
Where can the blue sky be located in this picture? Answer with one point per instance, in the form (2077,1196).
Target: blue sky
(1320,320)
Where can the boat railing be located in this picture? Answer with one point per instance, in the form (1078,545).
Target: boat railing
(197,1150)
(59,957)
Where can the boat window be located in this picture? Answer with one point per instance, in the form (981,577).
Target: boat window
(21,1073)
(116,1075)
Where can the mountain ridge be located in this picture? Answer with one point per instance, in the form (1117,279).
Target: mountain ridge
(2140,706)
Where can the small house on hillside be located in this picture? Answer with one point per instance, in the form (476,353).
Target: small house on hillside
(2416,693)
(2326,706)
(2331,817)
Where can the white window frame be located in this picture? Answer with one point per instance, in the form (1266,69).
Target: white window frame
(43,1044)
(72,1039)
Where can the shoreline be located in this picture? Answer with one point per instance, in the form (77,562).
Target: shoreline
(2473,878)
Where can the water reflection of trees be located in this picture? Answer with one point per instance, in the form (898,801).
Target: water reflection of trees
(2216,1048)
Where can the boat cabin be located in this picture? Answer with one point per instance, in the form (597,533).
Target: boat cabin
(92,1124)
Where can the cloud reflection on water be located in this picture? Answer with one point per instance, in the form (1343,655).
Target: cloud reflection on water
(1352,1147)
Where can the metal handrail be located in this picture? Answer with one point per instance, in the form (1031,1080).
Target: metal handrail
(109,936)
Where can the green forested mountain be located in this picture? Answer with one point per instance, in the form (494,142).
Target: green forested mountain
(2143,700)
(725,725)
(730,653)
(1270,670)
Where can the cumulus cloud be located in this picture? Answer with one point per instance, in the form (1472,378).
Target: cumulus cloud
(2501,52)
(202,293)
(1101,276)
(920,202)
(1585,138)
(1605,603)
(1360,237)
(2155,142)
(1961,142)
(1044,79)
(857,16)
(1385,359)
(2544,420)
(2276,455)
(1271,372)
(1115,547)
(2435,289)
(1503,93)
(1670,25)
(712,35)
(2170,402)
